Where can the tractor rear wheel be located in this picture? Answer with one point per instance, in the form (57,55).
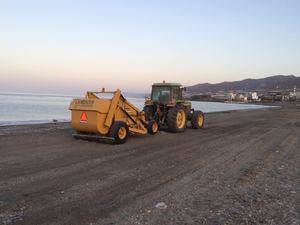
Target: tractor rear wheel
(197,120)
(153,127)
(176,120)
(119,131)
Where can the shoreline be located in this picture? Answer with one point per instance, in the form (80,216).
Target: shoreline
(6,130)
(31,122)
(55,121)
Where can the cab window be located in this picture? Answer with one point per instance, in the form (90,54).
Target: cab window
(176,93)
(161,94)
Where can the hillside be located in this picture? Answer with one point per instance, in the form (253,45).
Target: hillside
(268,83)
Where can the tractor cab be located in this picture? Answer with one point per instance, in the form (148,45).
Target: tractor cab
(166,93)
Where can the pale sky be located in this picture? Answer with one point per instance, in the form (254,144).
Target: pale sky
(73,46)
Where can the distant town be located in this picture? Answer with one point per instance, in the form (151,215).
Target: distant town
(247,97)
(271,89)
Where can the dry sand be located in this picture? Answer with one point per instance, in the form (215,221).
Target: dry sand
(243,168)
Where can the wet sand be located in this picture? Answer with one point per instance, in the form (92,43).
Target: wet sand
(242,168)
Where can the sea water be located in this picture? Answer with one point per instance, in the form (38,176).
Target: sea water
(16,108)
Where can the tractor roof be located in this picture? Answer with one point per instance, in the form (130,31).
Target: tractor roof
(167,84)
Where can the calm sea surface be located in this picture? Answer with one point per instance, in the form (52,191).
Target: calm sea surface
(33,108)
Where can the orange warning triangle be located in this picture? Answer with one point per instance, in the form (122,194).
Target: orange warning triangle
(83,118)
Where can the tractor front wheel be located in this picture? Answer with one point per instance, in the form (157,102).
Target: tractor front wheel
(148,109)
(153,127)
(197,120)
(119,131)
(176,120)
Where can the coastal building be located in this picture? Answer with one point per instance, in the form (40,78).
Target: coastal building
(232,96)
(240,97)
(254,96)
(294,95)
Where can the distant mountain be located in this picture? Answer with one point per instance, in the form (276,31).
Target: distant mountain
(268,83)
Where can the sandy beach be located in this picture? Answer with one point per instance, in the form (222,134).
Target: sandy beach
(242,168)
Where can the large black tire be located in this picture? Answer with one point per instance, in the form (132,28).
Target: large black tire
(153,127)
(172,120)
(119,131)
(197,120)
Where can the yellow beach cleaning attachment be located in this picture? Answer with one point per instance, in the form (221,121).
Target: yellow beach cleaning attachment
(108,116)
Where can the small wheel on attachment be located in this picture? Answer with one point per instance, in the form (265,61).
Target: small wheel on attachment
(153,127)
(119,131)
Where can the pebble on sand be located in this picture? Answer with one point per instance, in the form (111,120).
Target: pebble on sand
(161,205)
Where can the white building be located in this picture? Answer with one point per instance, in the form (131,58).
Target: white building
(254,96)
